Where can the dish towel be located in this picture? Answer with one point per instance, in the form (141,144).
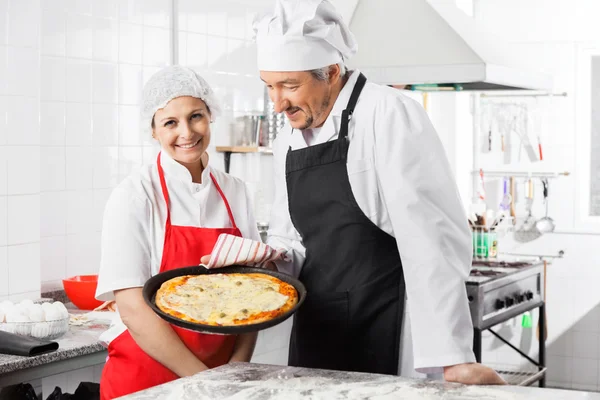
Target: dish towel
(235,250)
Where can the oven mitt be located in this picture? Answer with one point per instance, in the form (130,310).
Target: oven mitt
(235,250)
(24,346)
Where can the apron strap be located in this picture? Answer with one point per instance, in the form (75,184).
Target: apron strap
(231,219)
(347,113)
(163,185)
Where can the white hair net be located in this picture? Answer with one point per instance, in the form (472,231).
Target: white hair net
(169,83)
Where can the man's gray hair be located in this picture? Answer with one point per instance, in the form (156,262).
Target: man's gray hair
(322,74)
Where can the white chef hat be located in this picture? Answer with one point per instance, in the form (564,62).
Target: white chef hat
(302,35)
(169,83)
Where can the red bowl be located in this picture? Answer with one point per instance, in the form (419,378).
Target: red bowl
(81,290)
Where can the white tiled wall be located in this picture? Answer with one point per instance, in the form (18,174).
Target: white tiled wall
(94,59)
(19,149)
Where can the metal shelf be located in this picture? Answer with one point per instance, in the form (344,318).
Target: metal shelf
(516,376)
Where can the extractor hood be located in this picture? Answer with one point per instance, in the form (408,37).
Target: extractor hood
(433,45)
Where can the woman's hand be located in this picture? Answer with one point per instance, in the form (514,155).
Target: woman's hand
(154,335)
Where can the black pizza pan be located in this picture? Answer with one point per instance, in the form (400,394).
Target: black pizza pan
(153,284)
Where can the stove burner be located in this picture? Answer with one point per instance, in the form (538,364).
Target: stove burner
(501,264)
(485,272)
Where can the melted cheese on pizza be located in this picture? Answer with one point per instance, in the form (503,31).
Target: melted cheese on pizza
(223,298)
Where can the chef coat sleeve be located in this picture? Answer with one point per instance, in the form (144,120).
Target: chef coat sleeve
(125,257)
(282,234)
(431,230)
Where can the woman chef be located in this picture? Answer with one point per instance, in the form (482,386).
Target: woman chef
(166,216)
(366,207)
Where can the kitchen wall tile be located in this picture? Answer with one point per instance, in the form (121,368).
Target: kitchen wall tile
(17,297)
(131,11)
(3,271)
(23,219)
(21,32)
(585,371)
(197,50)
(130,158)
(216,20)
(79,6)
(106,167)
(105,129)
(105,45)
(130,43)
(560,370)
(217,53)
(79,168)
(53,168)
(78,124)
(79,36)
(83,254)
(584,387)
(561,346)
(3,171)
(101,197)
(53,255)
(3,68)
(80,208)
(157,49)
(157,13)
(105,83)
(79,84)
(52,124)
(53,78)
(22,121)
(54,4)
(3,221)
(590,322)
(53,37)
(196,16)
(23,166)
(3,22)
(129,126)
(105,8)
(53,213)
(130,84)
(22,71)
(236,22)
(24,268)
(180,56)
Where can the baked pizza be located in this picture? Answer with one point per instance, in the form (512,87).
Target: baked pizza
(226,299)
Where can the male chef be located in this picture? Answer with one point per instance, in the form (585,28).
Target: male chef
(366,207)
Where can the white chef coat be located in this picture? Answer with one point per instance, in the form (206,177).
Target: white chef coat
(402,181)
(133,230)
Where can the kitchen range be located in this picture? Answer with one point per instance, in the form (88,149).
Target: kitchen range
(499,290)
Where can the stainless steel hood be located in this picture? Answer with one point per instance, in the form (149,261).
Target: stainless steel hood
(433,45)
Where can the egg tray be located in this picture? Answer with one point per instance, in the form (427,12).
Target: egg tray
(45,330)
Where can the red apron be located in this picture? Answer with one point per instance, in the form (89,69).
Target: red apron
(128,369)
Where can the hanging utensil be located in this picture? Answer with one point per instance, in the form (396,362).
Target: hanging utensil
(528,230)
(506,197)
(545,224)
(512,200)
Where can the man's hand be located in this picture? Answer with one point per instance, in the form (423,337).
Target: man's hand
(472,374)
(205,259)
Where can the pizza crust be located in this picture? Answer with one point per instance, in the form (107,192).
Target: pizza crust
(226,299)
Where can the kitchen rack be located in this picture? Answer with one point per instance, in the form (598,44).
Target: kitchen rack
(229,150)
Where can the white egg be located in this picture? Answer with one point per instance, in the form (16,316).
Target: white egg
(53,314)
(15,315)
(47,305)
(26,302)
(36,313)
(61,307)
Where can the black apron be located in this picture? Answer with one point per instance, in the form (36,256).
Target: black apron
(352,317)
